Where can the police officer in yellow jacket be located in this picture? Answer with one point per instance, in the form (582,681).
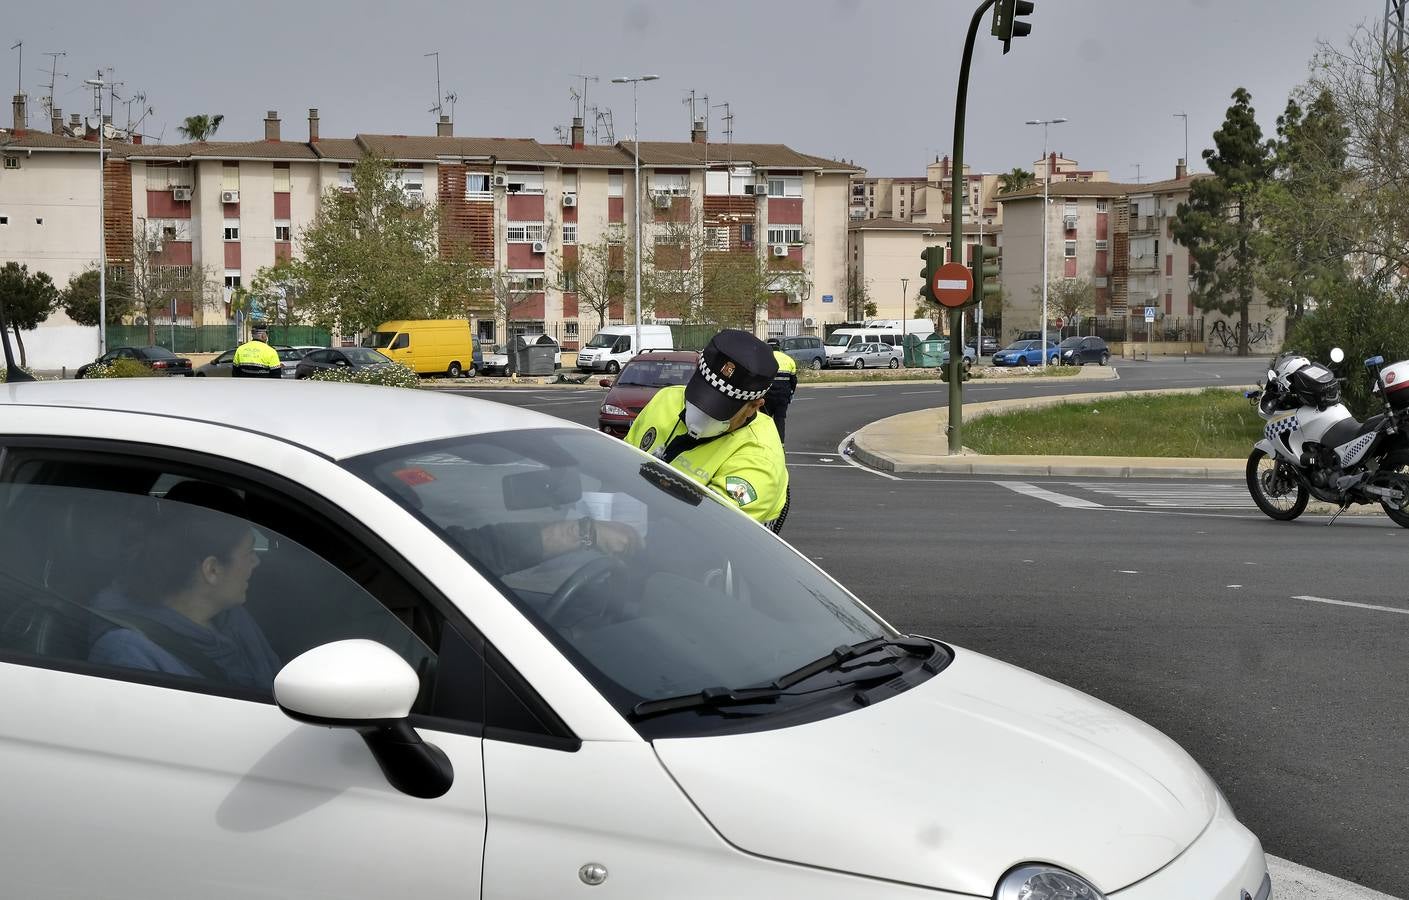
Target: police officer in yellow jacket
(710,428)
(256,359)
(780,392)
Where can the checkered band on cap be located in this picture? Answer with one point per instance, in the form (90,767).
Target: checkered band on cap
(727,389)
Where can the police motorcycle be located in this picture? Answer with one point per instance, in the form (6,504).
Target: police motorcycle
(1313,447)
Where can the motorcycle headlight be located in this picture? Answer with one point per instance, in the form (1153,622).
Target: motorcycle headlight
(1045,883)
(610,410)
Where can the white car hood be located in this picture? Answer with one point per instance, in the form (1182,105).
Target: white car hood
(951,783)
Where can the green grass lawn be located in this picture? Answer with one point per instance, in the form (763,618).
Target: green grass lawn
(1212,423)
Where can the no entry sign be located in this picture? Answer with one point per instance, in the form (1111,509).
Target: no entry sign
(953,284)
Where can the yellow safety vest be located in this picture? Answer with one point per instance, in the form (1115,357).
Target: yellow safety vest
(257,353)
(785,362)
(746,466)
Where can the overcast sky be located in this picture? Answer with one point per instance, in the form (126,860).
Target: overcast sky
(867,80)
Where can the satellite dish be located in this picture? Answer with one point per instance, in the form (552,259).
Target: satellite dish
(92,122)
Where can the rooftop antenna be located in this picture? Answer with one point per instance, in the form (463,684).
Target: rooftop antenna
(1137,173)
(54,76)
(435,110)
(576,101)
(112,93)
(19,69)
(728,130)
(604,119)
(582,108)
(138,98)
(451,97)
(690,102)
(560,134)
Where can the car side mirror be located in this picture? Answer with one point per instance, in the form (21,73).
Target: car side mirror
(362,685)
(605,382)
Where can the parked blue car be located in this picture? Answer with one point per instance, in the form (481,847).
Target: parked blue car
(1025,353)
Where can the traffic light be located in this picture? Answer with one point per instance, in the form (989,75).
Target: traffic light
(984,263)
(934,258)
(1006,26)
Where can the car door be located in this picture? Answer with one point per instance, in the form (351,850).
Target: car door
(133,763)
(224,364)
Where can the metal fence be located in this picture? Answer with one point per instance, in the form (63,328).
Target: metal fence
(1134,328)
(209,338)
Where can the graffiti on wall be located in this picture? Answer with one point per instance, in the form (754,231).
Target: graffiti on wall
(1261,335)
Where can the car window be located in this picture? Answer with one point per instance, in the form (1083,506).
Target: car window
(656,373)
(692,597)
(158,353)
(226,357)
(132,569)
(401,342)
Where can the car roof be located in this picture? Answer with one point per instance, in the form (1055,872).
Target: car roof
(688,356)
(316,415)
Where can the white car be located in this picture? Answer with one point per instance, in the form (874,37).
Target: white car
(248,651)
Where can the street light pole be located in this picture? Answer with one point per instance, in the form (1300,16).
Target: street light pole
(904,288)
(98,84)
(1046,214)
(635,80)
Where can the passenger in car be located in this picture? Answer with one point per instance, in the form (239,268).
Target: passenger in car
(179,609)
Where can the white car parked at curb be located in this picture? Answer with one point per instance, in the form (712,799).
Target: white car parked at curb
(248,650)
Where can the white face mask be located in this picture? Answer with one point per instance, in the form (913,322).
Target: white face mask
(700,426)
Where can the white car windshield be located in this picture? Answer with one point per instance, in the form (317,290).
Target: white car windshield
(839,340)
(675,593)
(602,340)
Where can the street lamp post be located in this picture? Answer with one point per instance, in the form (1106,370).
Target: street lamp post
(98,84)
(1046,214)
(635,80)
(904,289)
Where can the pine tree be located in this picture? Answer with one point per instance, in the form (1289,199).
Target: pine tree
(1219,223)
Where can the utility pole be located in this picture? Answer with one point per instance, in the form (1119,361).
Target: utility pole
(904,332)
(635,81)
(97,84)
(1046,214)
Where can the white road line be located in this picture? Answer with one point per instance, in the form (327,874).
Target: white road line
(1032,490)
(817,466)
(1388,609)
(849,396)
(841,452)
(810,453)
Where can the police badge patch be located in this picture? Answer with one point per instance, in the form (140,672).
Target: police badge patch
(742,492)
(648,439)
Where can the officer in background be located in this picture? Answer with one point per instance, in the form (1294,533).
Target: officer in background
(710,428)
(256,359)
(780,392)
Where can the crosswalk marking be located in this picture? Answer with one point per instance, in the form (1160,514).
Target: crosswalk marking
(1032,490)
(1177,496)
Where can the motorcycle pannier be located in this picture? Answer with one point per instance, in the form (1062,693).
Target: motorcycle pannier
(1396,379)
(1316,386)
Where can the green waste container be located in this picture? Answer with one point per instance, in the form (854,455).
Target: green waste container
(928,354)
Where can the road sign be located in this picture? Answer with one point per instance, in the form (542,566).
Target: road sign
(1061,323)
(1149,314)
(827,298)
(953,284)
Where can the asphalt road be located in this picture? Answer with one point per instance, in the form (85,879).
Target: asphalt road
(1270,651)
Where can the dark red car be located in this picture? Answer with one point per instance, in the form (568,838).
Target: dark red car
(638,383)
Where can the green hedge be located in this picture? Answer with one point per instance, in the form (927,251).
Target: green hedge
(394,375)
(120,368)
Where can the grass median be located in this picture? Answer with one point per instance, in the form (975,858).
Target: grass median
(977,373)
(1212,423)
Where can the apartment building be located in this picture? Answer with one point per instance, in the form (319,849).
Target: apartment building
(885,258)
(927,199)
(239,206)
(1120,237)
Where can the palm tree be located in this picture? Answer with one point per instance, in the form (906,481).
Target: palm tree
(202,127)
(1015,180)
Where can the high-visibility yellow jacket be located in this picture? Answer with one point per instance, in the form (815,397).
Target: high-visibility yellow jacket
(746,466)
(256,353)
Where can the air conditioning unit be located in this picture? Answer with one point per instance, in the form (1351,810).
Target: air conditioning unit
(181,195)
(809,322)
(794,299)
(662,201)
(761,186)
(1160,213)
(415,195)
(780,250)
(1069,221)
(569,199)
(229,196)
(501,181)
(540,247)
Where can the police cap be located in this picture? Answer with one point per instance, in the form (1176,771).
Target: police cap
(735,368)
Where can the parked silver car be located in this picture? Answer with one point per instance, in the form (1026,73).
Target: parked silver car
(865,356)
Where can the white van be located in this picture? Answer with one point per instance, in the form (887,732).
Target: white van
(875,331)
(612,347)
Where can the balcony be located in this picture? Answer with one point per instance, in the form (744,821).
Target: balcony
(1143,264)
(1143,224)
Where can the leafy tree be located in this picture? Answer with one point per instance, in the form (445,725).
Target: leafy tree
(79,300)
(202,127)
(372,255)
(1015,180)
(1219,223)
(279,290)
(1067,297)
(1301,245)
(29,300)
(148,284)
(599,279)
(1363,319)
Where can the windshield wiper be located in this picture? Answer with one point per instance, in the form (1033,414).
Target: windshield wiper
(718,697)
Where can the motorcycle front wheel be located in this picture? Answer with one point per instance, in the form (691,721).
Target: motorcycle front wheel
(1275,488)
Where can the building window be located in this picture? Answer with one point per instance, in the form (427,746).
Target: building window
(230,177)
(523,281)
(232,229)
(524,232)
(567,281)
(232,282)
(785,234)
(569,233)
(570,330)
(486,330)
(1100,245)
(746,234)
(614,184)
(676,185)
(477,186)
(616,233)
(282,231)
(525,182)
(569,182)
(282,183)
(1070,251)
(1100,206)
(12,162)
(717,238)
(4,220)
(785,186)
(345,177)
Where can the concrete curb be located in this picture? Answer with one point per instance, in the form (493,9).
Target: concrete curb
(1292,881)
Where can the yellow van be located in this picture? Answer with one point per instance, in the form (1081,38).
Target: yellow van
(428,345)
